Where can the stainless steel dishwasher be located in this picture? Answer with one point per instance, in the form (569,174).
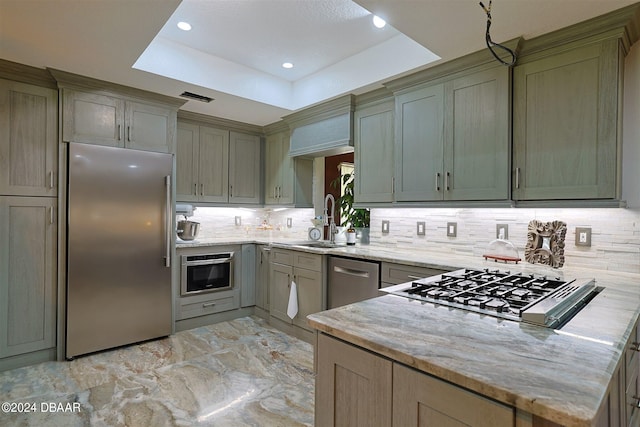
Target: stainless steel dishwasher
(351,280)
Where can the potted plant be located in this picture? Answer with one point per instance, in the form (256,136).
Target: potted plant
(357,218)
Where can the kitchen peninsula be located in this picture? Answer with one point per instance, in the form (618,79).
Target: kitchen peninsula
(505,372)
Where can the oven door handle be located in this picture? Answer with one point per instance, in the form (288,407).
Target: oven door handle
(351,272)
(208,262)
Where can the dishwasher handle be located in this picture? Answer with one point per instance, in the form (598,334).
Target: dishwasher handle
(351,272)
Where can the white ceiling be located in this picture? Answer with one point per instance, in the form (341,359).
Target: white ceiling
(235,49)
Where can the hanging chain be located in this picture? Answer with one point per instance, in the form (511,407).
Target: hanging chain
(492,45)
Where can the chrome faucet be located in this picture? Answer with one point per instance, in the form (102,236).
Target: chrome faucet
(331,223)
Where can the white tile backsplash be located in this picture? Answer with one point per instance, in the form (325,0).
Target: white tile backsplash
(615,242)
(216,222)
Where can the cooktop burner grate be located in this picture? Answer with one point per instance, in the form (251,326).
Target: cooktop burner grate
(502,294)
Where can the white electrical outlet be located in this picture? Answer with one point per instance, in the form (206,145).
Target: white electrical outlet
(420,228)
(385,227)
(238,221)
(289,222)
(502,231)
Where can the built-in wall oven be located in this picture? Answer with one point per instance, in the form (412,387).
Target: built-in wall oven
(207,272)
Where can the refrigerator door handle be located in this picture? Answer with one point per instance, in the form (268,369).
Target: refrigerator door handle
(167,258)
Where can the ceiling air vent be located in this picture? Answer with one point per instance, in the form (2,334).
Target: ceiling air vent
(196,97)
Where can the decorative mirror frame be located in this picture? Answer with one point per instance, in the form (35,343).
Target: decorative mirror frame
(545,243)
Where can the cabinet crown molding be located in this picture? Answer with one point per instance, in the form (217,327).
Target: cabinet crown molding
(316,113)
(26,74)
(218,122)
(75,81)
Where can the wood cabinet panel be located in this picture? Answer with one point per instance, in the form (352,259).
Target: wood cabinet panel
(279,287)
(28,140)
(476,142)
(565,125)
(423,400)
(374,157)
(419,149)
(244,168)
(92,118)
(28,274)
(213,165)
(309,287)
(353,386)
(262,276)
(113,120)
(150,127)
(187,154)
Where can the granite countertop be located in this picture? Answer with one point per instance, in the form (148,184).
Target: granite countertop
(560,375)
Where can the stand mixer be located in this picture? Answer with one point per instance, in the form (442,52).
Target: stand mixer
(186,230)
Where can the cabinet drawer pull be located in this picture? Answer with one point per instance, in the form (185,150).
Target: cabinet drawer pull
(414,277)
(208,304)
(636,403)
(438,181)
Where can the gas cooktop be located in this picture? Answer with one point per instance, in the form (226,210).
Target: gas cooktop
(539,300)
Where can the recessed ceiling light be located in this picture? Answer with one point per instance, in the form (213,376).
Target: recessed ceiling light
(184,26)
(379,22)
(287,65)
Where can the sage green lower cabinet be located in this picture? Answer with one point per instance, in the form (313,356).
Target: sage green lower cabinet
(28,272)
(565,124)
(306,270)
(355,386)
(373,134)
(262,277)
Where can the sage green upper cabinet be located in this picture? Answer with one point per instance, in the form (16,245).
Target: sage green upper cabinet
(373,133)
(452,139)
(288,180)
(244,168)
(279,170)
(28,139)
(97,118)
(419,139)
(103,113)
(476,136)
(565,124)
(202,164)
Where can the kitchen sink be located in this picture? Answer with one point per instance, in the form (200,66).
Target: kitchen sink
(320,244)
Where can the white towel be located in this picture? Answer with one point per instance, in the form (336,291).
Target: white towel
(292,309)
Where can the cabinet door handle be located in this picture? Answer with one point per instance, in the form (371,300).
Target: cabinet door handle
(202,189)
(438,181)
(119,132)
(393,184)
(279,191)
(446,181)
(129,133)
(51,179)
(231,191)
(275,192)
(635,346)
(51,215)
(208,304)
(195,189)
(517,178)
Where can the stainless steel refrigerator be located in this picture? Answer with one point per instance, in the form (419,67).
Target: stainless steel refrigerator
(120,224)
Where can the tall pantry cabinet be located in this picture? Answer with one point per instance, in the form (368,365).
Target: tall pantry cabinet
(28,215)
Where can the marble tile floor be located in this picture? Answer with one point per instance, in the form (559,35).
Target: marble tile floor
(237,373)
